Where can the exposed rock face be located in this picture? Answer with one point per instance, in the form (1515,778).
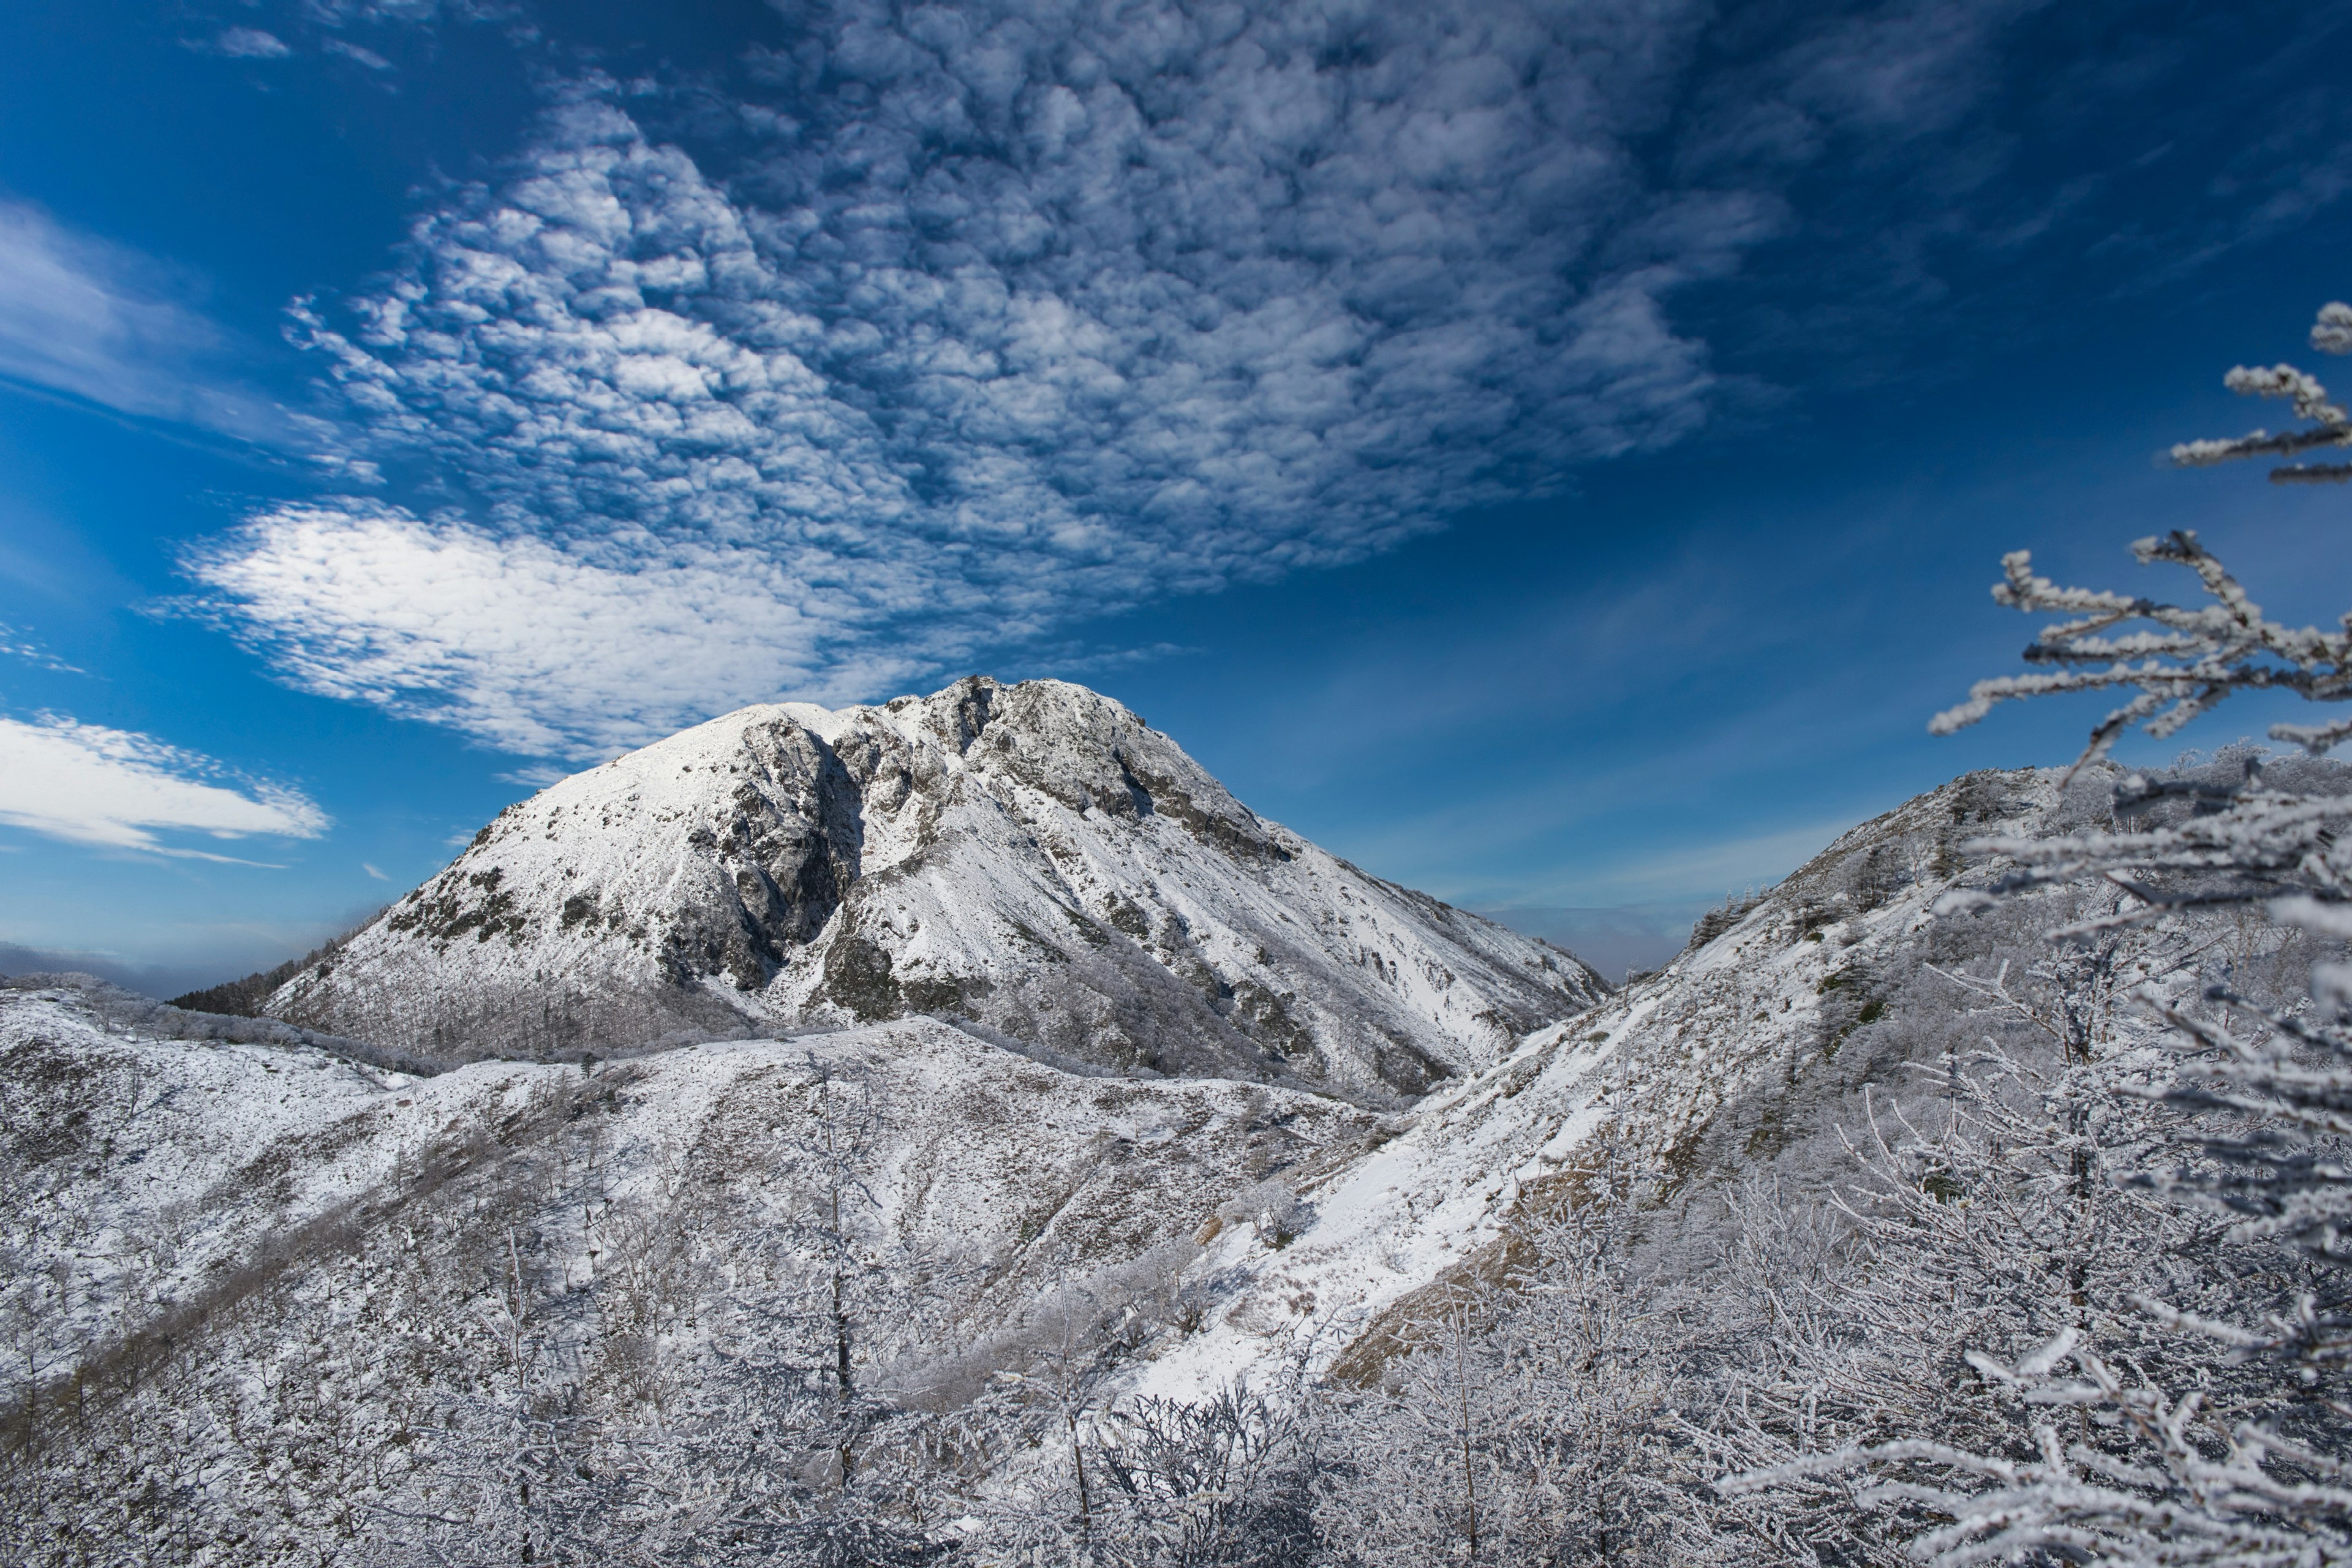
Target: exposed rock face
(1033,858)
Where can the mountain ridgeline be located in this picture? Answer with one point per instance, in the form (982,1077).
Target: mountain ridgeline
(315,1235)
(1032,859)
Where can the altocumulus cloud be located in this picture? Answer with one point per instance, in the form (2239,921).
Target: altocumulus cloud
(250,43)
(948,325)
(89,784)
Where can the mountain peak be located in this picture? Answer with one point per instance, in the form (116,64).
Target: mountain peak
(1031,857)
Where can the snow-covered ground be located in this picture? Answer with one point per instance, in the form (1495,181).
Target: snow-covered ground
(153,1166)
(1642,1078)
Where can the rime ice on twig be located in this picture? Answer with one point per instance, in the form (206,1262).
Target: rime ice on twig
(2243,842)
(2327,426)
(2187,663)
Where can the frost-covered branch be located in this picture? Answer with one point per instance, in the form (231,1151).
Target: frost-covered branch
(2326,424)
(2200,841)
(2280,1161)
(2186,660)
(2164,1484)
(2251,843)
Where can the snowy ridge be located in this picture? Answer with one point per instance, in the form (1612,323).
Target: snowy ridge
(1677,1075)
(156,1175)
(253,1213)
(1032,857)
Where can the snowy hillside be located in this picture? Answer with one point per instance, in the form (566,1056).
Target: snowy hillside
(336,1288)
(150,1176)
(1030,858)
(293,1260)
(1751,1051)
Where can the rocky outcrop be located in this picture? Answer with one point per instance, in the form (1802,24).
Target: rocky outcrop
(1033,858)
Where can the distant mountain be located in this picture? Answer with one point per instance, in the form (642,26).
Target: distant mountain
(148,980)
(1032,858)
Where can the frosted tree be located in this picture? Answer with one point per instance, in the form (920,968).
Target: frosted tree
(1531,1419)
(712,1394)
(1226,1480)
(2183,1431)
(2265,835)
(840,1302)
(1976,1244)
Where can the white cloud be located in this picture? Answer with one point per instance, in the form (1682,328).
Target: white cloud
(97,321)
(355,52)
(373,872)
(998,317)
(1076,659)
(116,788)
(250,44)
(344,13)
(16,644)
(540,648)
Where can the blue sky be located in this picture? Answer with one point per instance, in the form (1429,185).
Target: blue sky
(1554,456)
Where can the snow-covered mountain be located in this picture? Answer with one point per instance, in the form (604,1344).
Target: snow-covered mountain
(1033,858)
(283,1226)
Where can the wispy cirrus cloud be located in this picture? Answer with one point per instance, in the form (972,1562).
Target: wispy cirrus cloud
(248,44)
(101,322)
(1889,75)
(86,783)
(357,53)
(18,644)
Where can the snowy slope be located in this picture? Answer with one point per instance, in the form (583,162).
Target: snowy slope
(270,1209)
(152,1183)
(1687,1075)
(1031,857)
(134,1168)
